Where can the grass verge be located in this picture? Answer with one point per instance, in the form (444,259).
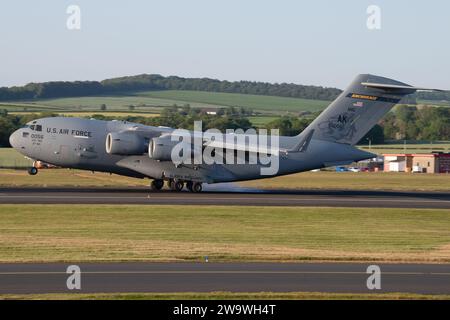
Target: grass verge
(394,181)
(50,233)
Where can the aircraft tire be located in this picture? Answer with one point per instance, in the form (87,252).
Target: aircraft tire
(178,186)
(157,184)
(189,185)
(197,187)
(32,171)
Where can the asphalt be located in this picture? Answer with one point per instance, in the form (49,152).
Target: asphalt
(227,196)
(234,277)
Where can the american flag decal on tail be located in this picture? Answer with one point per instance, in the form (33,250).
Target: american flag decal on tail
(358,104)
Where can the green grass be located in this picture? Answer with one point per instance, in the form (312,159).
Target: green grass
(392,181)
(306,180)
(434,103)
(25,106)
(256,102)
(10,158)
(152,100)
(426,147)
(66,178)
(30,233)
(261,120)
(223,296)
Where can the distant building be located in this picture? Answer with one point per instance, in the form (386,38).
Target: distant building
(209,111)
(420,162)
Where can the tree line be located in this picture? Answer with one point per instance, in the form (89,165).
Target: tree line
(121,85)
(417,123)
(59,89)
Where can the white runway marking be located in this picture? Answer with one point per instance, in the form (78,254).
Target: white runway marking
(221,198)
(221,272)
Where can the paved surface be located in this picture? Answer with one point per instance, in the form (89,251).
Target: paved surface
(329,198)
(235,277)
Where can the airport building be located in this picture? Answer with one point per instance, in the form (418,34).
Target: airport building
(417,163)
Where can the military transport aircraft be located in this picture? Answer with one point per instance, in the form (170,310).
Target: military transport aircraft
(141,151)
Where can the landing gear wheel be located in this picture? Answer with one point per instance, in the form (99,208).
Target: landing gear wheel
(176,185)
(189,185)
(157,184)
(32,171)
(197,187)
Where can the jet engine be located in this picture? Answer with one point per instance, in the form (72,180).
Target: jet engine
(125,143)
(161,149)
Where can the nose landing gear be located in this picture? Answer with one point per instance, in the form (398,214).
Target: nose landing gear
(32,171)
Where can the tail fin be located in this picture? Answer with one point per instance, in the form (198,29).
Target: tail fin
(358,109)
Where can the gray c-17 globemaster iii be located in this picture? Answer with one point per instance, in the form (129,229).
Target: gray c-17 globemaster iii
(141,151)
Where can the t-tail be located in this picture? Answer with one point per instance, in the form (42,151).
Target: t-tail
(357,110)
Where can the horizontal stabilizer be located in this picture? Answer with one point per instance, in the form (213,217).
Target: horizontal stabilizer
(394,87)
(357,109)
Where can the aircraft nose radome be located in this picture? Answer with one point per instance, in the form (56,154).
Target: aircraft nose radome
(13,138)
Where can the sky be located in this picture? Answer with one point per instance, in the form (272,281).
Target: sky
(320,42)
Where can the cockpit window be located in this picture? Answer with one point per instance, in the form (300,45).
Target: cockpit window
(36,127)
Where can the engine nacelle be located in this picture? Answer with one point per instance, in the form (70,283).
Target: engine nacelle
(125,143)
(161,149)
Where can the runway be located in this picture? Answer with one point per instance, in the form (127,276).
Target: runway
(234,277)
(242,197)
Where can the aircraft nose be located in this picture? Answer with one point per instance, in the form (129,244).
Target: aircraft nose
(14,139)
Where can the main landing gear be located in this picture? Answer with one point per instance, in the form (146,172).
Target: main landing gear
(194,186)
(176,185)
(157,184)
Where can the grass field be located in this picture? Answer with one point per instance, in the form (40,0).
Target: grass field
(90,114)
(443,146)
(10,158)
(31,233)
(262,120)
(306,180)
(66,177)
(151,101)
(442,103)
(256,102)
(224,296)
(356,181)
